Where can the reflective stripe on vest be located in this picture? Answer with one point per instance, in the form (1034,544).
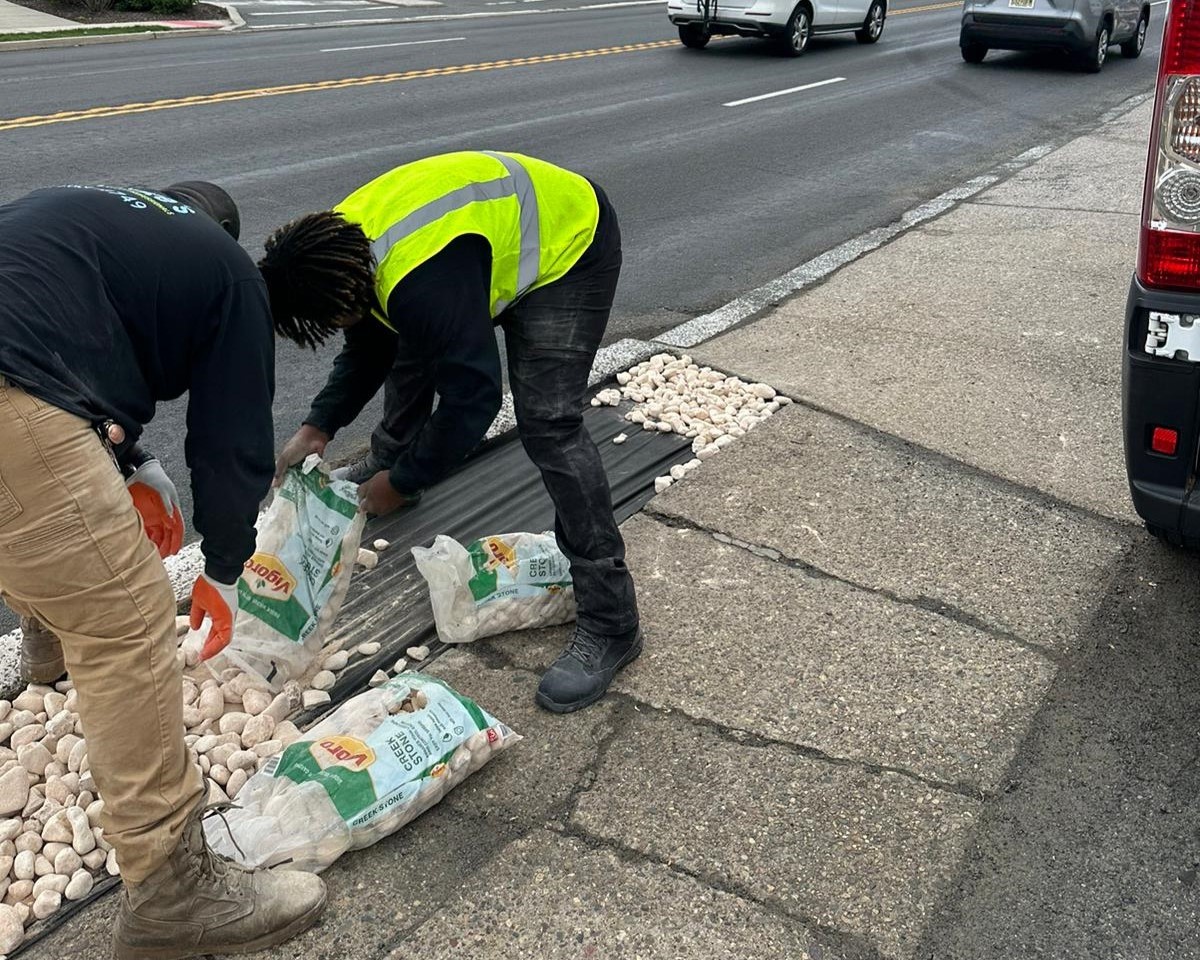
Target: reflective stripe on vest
(516,183)
(538,219)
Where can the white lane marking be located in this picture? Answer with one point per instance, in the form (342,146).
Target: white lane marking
(401,43)
(783,93)
(292,13)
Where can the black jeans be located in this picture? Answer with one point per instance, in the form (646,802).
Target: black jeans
(552,336)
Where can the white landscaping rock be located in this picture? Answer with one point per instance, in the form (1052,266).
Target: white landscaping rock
(287,733)
(257,730)
(22,867)
(34,757)
(315,698)
(255,702)
(366,558)
(336,661)
(12,929)
(47,904)
(237,780)
(80,886)
(83,841)
(68,861)
(51,881)
(324,680)
(58,829)
(368,649)
(212,703)
(234,722)
(417,653)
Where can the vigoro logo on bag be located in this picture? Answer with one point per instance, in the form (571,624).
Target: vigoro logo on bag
(499,554)
(345,752)
(267,577)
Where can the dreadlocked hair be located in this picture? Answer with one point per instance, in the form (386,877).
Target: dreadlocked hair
(320,277)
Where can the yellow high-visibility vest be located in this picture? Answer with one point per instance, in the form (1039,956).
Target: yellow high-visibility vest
(538,218)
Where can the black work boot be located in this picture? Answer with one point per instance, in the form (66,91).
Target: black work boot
(583,671)
(199,903)
(41,653)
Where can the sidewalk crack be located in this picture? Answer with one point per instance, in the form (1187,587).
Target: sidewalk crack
(848,946)
(742,737)
(922,602)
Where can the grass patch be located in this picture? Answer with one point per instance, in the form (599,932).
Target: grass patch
(80,32)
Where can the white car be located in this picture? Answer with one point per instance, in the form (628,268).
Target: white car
(789,24)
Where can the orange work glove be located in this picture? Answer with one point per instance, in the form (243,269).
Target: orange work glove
(219,602)
(157,500)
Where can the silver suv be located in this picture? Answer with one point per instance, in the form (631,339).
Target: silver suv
(787,23)
(1084,29)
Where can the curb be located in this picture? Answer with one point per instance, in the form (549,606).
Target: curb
(83,41)
(236,20)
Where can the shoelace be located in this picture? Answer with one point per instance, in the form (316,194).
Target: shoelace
(586,647)
(225,873)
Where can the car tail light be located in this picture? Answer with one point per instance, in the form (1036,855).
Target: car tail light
(1164,440)
(1169,252)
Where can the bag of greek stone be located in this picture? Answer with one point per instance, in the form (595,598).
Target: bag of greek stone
(513,581)
(292,588)
(380,760)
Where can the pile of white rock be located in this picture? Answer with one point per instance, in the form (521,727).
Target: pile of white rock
(675,395)
(52,848)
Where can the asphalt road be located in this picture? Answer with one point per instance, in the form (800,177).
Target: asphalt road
(713,199)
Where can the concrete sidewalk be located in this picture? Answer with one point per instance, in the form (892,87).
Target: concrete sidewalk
(916,685)
(17,19)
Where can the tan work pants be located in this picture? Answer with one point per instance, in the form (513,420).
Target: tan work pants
(74,554)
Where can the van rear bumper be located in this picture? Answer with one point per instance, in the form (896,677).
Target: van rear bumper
(1160,392)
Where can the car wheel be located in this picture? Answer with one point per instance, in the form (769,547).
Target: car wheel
(794,40)
(1173,538)
(1093,60)
(1132,48)
(974,52)
(872,28)
(693,37)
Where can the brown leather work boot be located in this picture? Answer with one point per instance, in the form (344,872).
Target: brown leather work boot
(199,903)
(41,653)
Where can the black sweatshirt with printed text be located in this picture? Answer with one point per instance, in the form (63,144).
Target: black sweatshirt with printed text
(113,299)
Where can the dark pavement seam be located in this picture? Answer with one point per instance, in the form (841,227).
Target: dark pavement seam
(848,946)
(923,603)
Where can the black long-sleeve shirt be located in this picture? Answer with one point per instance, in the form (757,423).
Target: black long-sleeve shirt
(113,299)
(441,312)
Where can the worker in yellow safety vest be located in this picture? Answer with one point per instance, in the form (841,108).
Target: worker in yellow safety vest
(418,268)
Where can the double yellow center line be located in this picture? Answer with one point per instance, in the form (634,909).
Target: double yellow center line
(254,93)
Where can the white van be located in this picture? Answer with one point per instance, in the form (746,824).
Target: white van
(788,24)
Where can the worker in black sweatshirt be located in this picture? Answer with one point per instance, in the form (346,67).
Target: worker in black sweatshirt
(113,299)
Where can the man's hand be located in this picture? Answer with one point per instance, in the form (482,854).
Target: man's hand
(219,602)
(308,439)
(378,497)
(157,500)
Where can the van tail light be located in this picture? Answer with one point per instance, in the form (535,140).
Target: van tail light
(1169,251)
(1164,440)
